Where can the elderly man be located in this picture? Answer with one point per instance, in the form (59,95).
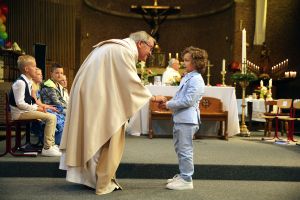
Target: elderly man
(171,75)
(105,93)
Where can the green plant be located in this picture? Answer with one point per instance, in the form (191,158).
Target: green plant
(238,76)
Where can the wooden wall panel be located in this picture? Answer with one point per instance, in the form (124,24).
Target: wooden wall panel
(47,22)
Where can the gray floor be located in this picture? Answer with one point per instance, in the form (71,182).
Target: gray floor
(241,168)
(57,188)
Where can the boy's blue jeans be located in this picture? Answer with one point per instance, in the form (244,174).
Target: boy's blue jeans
(183,143)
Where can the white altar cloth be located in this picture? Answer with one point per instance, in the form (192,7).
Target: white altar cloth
(139,124)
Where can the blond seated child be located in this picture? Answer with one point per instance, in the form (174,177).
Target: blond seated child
(37,128)
(23,105)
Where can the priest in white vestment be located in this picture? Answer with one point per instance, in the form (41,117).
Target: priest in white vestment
(105,93)
(171,75)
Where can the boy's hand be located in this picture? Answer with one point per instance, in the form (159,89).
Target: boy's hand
(163,105)
(41,109)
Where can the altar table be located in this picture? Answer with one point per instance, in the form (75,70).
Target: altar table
(139,123)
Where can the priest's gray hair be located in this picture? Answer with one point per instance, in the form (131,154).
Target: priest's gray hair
(141,36)
(171,62)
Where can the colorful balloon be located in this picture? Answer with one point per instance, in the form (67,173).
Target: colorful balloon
(4,9)
(3,18)
(2,42)
(2,28)
(3,35)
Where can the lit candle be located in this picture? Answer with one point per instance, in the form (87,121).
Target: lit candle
(177,56)
(285,74)
(261,84)
(223,65)
(170,56)
(243,51)
(270,83)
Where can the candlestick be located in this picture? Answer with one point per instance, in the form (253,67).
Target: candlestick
(223,65)
(243,128)
(244,57)
(223,78)
(208,73)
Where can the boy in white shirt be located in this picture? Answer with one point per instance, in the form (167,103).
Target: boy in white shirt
(23,105)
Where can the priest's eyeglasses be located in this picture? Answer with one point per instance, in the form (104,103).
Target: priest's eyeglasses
(151,47)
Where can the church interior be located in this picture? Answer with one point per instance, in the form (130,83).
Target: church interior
(242,38)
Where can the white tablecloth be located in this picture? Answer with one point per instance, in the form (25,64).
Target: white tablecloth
(139,122)
(258,109)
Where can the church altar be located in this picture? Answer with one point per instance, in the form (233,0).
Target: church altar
(139,123)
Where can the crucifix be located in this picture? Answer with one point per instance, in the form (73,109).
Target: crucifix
(155,15)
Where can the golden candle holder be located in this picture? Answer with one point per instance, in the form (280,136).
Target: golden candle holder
(243,129)
(208,73)
(223,73)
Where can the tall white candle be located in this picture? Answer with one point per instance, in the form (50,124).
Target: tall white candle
(223,65)
(270,83)
(244,51)
(261,84)
(177,56)
(170,56)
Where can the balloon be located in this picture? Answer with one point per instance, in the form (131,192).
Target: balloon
(4,9)
(2,28)
(3,35)
(1,42)
(3,18)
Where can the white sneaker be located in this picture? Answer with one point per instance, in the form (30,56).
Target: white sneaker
(180,184)
(52,151)
(174,178)
(56,147)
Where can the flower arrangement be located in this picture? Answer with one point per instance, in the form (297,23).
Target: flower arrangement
(175,80)
(264,92)
(145,73)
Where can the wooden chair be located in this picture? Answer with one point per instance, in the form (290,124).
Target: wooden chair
(282,105)
(269,115)
(17,124)
(289,121)
(157,113)
(211,109)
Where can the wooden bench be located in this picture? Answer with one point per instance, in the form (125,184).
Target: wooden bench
(157,113)
(211,109)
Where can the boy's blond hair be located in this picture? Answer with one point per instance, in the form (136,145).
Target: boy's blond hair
(23,61)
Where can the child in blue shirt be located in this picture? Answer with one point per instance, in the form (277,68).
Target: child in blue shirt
(186,115)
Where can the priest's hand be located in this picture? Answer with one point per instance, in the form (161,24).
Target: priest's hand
(159,98)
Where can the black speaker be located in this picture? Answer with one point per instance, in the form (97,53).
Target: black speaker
(40,56)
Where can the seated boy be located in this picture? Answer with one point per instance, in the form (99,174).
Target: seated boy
(23,106)
(51,94)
